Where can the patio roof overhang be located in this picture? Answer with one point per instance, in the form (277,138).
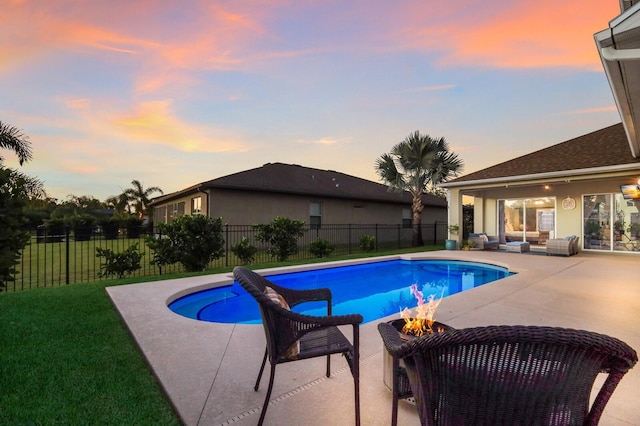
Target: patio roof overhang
(619,49)
(562,176)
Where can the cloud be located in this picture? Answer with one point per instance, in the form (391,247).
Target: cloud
(429,88)
(324,141)
(523,34)
(591,110)
(154,122)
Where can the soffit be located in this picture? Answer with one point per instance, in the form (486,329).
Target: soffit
(619,49)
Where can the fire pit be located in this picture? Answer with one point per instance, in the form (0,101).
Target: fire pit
(411,325)
(387,359)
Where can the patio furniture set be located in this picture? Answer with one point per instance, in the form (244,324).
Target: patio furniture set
(567,246)
(526,375)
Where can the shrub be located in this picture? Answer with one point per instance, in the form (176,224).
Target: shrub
(82,225)
(321,248)
(110,227)
(245,251)
(134,226)
(13,231)
(194,241)
(282,234)
(55,230)
(367,243)
(120,264)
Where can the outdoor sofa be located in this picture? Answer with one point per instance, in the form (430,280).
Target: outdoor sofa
(483,241)
(567,246)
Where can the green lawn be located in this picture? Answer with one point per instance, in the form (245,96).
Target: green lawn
(66,358)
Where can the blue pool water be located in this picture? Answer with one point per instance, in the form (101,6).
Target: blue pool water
(374,290)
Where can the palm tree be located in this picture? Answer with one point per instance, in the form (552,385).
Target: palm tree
(119,203)
(140,196)
(417,165)
(13,139)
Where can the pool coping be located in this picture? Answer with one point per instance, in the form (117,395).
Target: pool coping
(207,370)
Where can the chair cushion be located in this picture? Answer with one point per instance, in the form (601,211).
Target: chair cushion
(276,298)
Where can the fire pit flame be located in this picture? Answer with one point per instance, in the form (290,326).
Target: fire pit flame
(421,321)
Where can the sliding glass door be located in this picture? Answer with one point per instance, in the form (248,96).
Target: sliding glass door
(526,219)
(611,223)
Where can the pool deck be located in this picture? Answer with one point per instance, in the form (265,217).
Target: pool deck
(208,370)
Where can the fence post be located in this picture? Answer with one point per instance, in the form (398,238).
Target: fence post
(226,244)
(376,237)
(435,233)
(67,233)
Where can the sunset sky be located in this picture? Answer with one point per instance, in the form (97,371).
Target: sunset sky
(173,93)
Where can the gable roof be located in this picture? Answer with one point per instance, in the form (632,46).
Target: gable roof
(294,179)
(604,149)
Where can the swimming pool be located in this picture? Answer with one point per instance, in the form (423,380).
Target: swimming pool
(374,290)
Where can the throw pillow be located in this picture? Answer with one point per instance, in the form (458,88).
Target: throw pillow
(485,238)
(276,298)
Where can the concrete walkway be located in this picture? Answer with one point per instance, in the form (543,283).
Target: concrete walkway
(208,370)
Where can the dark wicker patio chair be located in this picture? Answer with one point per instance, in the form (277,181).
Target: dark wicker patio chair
(317,336)
(510,375)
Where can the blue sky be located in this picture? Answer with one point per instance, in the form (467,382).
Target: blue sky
(174,93)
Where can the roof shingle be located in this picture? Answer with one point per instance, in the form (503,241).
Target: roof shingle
(295,179)
(602,148)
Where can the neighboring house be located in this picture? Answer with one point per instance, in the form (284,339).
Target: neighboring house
(315,196)
(587,186)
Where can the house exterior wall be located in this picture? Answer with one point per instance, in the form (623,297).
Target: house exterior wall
(253,207)
(567,221)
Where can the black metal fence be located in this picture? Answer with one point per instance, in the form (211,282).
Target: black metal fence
(64,258)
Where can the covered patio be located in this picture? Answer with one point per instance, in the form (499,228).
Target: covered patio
(207,370)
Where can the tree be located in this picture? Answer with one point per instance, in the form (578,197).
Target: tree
(13,139)
(120,204)
(140,196)
(15,189)
(13,234)
(282,234)
(417,165)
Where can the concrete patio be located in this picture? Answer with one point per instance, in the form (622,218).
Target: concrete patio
(207,370)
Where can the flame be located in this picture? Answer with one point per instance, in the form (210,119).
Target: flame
(421,321)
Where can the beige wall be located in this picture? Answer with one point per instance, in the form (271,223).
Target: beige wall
(568,221)
(247,208)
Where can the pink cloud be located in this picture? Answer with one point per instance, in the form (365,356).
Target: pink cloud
(154,122)
(523,34)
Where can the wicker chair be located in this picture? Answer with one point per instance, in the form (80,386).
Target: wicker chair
(317,336)
(563,246)
(507,375)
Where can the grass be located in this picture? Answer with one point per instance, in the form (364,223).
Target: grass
(66,357)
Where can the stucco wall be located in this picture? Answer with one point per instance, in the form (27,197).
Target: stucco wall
(568,221)
(249,207)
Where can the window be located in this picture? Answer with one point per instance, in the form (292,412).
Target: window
(407,218)
(175,210)
(315,215)
(160,214)
(196,205)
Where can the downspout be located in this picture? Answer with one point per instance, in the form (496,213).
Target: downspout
(199,189)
